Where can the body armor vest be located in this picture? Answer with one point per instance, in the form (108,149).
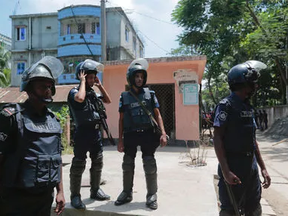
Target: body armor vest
(240,131)
(37,160)
(135,118)
(87,112)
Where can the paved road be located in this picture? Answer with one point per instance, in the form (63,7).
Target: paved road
(184,189)
(276,160)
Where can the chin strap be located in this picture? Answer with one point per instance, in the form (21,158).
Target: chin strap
(42,100)
(46,101)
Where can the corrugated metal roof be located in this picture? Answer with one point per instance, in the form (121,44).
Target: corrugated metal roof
(13,95)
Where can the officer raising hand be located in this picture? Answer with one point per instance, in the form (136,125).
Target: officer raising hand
(87,112)
(30,146)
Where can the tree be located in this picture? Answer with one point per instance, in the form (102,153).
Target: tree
(5,71)
(229,32)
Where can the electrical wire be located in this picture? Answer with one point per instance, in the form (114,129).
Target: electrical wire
(142,33)
(144,14)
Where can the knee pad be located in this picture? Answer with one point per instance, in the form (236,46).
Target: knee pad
(128,163)
(149,164)
(78,166)
(97,163)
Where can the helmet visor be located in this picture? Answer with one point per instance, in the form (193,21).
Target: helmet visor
(55,66)
(254,67)
(90,65)
(252,75)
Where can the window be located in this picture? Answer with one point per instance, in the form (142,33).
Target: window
(68,29)
(134,44)
(126,33)
(20,67)
(81,28)
(48,27)
(21,33)
(98,28)
(93,27)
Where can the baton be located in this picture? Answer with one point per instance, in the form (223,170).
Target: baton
(232,199)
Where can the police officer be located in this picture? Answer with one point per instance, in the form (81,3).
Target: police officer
(30,146)
(83,102)
(135,125)
(236,147)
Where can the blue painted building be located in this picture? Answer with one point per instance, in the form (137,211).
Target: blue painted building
(73,34)
(79,38)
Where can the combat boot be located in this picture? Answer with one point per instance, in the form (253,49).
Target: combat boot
(128,167)
(77,203)
(76,171)
(95,178)
(150,168)
(124,197)
(151,201)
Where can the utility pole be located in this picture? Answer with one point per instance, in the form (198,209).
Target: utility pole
(103,30)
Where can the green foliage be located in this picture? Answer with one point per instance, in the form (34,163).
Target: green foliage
(229,32)
(183,51)
(62,116)
(5,71)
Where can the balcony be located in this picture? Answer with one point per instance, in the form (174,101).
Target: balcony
(78,39)
(78,50)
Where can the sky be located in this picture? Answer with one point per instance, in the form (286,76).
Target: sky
(159,36)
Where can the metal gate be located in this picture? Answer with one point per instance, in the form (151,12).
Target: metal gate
(166,96)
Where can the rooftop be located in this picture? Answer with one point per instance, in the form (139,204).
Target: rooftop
(13,95)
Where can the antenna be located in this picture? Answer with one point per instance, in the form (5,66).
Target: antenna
(16,7)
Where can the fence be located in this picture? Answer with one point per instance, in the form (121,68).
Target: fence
(275,113)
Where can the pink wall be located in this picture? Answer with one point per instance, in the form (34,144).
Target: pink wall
(159,72)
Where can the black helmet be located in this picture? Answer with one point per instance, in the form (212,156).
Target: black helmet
(89,66)
(48,67)
(137,68)
(247,72)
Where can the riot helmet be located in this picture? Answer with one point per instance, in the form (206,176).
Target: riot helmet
(245,73)
(88,66)
(137,66)
(48,67)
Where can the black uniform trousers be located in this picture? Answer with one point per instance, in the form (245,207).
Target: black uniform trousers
(87,139)
(22,202)
(143,138)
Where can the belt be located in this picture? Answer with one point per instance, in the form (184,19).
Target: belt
(140,130)
(240,154)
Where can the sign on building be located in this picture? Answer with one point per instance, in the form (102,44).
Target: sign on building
(190,94)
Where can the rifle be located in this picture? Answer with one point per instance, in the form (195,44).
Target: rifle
(100,108)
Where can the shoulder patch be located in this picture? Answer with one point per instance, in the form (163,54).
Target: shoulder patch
(225,101)
(8,111)
(222,116)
